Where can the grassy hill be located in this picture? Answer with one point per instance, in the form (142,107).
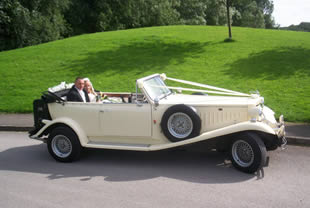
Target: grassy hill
(277,63)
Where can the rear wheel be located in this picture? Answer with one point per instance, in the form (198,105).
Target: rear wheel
(64,145)
(248,152)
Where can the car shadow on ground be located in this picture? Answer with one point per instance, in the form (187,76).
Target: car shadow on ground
(199,167)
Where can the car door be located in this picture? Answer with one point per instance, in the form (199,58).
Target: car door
(126,120)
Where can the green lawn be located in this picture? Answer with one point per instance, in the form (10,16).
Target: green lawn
(277,63)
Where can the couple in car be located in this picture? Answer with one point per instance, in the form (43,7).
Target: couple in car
(82,91)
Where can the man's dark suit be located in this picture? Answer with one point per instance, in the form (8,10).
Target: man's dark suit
(74,95)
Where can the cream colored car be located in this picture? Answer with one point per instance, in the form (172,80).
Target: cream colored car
(156,118)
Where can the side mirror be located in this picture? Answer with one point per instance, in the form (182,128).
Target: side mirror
(156,101)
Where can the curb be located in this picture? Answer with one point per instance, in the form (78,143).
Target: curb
(296,140)
(15,128)
(291,140)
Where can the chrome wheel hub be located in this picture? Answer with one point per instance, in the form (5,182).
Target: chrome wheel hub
(180,125)
(242,153)
(61,146)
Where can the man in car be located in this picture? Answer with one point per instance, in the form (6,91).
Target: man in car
(77,92)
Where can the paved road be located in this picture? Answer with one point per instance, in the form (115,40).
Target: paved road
(29,177)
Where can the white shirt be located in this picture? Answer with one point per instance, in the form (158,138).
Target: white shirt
(82,94)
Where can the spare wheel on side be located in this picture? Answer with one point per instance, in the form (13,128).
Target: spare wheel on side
(180,122)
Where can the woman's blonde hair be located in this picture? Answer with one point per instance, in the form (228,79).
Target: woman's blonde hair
(92,90)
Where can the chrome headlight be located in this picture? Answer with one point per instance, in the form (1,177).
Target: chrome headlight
(255,111)
(262,100)
(269,115)
(260,110)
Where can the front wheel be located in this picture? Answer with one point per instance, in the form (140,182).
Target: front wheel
(248,152)
(64,145)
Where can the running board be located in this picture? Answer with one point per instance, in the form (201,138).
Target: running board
(134,147)
(118,146)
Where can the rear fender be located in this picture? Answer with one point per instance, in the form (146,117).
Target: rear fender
(49,125)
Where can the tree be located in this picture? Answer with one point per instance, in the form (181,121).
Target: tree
(193,12)
(216,12)
(303,26)
(249,13)
(228,5)
(253,16)
(105,15)
(29,22)
(253,13)
(24,23)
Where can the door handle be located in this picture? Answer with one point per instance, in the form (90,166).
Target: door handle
(105,110)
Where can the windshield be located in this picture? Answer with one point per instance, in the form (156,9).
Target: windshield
(156,88)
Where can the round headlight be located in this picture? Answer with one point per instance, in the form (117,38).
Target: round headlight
(256,111)
(260,110)
(262,100)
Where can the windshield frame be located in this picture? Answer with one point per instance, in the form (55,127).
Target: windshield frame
(161,83)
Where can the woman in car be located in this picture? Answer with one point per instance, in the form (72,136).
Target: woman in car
(90,90)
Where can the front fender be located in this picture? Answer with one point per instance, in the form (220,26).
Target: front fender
(247,126)
(66,121)
(239,127)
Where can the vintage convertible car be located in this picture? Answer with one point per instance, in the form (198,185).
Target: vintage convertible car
(157,118)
